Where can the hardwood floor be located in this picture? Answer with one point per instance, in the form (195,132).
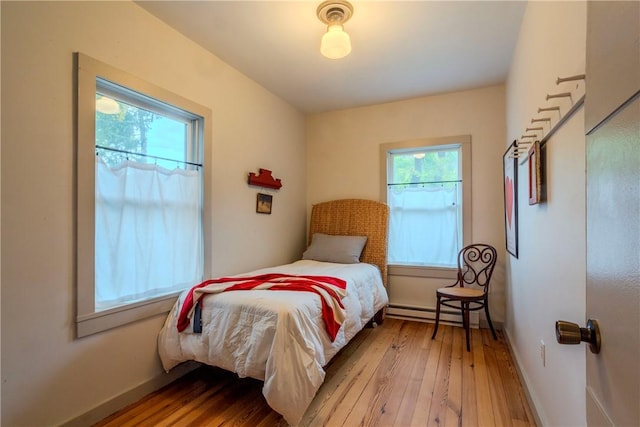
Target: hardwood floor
(392,375)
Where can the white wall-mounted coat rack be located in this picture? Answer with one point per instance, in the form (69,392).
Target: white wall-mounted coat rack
(551,117)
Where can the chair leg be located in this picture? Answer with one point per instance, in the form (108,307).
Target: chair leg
(486,312)
(465,322)
(435,329)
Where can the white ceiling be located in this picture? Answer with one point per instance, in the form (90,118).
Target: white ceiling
(400,49)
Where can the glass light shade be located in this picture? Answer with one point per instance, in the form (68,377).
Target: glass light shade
(335,43)
(107,105)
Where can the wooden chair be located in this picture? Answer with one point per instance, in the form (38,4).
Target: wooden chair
(471,291)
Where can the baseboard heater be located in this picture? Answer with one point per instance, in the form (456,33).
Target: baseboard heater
(428,314)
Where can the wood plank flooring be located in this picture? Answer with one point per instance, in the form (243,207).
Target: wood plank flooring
(392,375)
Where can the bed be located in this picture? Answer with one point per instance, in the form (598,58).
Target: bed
(282,337)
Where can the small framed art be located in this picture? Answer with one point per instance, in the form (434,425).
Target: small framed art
(510,181)
(535,176)
(263,203)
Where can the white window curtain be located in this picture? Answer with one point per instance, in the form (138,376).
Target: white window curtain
(148,232)
(424,224)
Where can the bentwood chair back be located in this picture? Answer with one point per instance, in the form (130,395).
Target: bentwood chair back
(470,292)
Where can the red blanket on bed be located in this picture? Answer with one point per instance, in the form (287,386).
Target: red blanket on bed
(330,289)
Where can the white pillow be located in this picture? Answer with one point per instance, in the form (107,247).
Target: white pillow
(338,249)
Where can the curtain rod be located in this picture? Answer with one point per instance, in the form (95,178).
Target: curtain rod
(117,150)
(426,182)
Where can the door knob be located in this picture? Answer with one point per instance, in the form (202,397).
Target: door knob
(571,333)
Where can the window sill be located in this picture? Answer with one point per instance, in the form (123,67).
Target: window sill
(93,323)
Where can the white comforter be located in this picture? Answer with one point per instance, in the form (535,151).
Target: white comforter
(276,336)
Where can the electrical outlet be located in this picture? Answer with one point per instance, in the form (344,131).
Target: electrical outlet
(543,353)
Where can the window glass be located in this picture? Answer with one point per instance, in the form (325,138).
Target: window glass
(127,129)
(425,165)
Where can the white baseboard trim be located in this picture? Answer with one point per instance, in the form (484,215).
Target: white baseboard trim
(123,400)
(428,314)
(596,415)
(524,380)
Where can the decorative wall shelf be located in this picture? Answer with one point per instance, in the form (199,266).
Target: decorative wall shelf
(264,179)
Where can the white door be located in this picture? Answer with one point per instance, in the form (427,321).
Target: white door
(613,265)
(612,116)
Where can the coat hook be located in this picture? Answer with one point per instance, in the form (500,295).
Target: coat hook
(540,110)
(571,78)
(544,119)
(559,95)
(534,129)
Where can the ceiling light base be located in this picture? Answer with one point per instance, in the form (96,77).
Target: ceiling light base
(333,12)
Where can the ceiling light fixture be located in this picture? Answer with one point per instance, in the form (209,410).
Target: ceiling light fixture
(335,43)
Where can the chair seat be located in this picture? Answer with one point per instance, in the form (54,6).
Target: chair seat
(458,292)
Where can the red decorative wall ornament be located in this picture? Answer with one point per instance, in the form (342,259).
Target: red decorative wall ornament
(264,179)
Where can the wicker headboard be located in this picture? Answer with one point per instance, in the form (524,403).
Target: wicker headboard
(355,217)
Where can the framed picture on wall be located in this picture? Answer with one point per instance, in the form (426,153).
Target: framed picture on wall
(263,204)
(535,177)
(510,181)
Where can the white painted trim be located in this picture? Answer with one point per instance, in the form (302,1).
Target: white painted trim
(125,399)
(88,320)
(532,399)
(596,414)
(429,314)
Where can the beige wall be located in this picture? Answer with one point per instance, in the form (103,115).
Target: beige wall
(343,161)
(49,377)
(547,281)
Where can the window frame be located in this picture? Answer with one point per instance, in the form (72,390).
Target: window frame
(88,320)
(464,142)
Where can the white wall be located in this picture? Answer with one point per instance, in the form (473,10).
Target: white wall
(48,377)
(547,281)
(343,162)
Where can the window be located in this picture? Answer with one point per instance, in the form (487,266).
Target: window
(427,189)
(142,205)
